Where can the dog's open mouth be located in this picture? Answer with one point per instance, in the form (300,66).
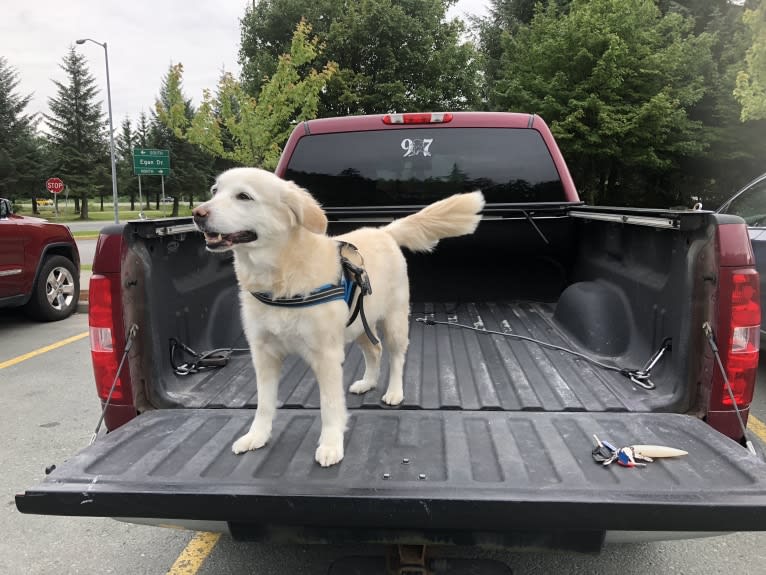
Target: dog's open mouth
(228,240)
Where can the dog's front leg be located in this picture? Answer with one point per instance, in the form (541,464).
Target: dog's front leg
(328,368)
(267,366)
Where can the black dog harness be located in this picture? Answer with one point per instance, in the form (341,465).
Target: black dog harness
(351,277)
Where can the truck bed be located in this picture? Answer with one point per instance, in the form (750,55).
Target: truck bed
(450,368)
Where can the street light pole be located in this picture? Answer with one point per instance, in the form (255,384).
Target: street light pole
(111,128)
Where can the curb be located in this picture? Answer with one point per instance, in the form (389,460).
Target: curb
(82,304)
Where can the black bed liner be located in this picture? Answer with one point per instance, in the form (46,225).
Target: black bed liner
(450,368)
(486,470)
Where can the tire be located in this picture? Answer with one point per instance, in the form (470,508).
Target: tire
(56,291)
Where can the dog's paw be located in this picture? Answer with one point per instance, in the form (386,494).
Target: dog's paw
(329,454)
(393,397)
(361,386)
(250,441)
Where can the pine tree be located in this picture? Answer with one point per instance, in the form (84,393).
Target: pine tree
(124,144)
(142,139)
(76,126)
(19,154)
(142,131)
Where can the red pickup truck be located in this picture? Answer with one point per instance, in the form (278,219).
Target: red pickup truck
(492,444)
(39,266)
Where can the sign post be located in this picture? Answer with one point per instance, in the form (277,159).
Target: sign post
(55,186)
(140,201)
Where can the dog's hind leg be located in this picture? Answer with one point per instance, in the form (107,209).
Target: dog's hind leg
(328,368)
(372,355)
(396,336)
(267,366)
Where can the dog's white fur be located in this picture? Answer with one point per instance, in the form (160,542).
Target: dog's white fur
(292,256)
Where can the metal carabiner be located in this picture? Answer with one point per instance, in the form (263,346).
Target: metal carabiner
(641,379)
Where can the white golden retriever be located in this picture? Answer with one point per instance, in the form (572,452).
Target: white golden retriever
(277,233)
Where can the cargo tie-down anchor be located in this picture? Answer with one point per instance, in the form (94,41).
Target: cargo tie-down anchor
(641,376)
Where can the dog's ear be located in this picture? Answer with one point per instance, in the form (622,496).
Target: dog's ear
(307,210)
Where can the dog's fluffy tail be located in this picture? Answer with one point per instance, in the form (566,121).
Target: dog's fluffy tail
(457,215)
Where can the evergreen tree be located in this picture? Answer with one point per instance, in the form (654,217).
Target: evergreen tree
(20,156)
(124,144)
(142,138)
(76,125)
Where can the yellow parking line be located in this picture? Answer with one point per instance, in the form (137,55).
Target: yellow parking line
(42,350)
(757,426)
(194,554)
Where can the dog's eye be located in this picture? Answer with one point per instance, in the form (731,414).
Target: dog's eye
(243,196)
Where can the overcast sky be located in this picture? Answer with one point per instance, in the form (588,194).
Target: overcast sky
(143,39)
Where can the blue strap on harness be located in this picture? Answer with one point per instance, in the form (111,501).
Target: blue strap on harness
(352,276)
(323,294)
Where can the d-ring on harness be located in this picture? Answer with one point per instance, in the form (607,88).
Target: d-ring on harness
(352,276)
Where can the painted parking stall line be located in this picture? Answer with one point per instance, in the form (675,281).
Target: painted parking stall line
(61,343)
(757,426)
(194,554)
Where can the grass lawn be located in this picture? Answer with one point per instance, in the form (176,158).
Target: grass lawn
(96,215)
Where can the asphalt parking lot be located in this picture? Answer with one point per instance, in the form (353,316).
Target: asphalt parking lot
(46,385)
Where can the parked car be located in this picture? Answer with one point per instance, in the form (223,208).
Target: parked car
(749,203)
(166,200)
(39,266)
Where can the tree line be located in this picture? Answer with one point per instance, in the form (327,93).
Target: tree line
(653,103)
(71,142)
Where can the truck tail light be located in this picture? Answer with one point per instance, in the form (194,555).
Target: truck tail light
(742,344)
(107,331)
(420,118)
(738,337)
(102,338)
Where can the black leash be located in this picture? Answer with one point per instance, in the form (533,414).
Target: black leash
(358,276)
(201,361)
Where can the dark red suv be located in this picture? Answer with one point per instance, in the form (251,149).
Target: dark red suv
(39,266)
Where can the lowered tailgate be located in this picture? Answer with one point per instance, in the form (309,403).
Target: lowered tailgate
(480,470)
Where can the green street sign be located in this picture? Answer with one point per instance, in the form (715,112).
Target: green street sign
(148,162)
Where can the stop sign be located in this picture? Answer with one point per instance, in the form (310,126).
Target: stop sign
(54,185)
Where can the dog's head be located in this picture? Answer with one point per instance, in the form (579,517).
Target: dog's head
(253,205)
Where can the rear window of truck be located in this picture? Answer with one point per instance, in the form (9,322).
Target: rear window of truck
(421,165)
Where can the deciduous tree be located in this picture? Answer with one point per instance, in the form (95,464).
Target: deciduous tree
(234,125)
(615,80)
